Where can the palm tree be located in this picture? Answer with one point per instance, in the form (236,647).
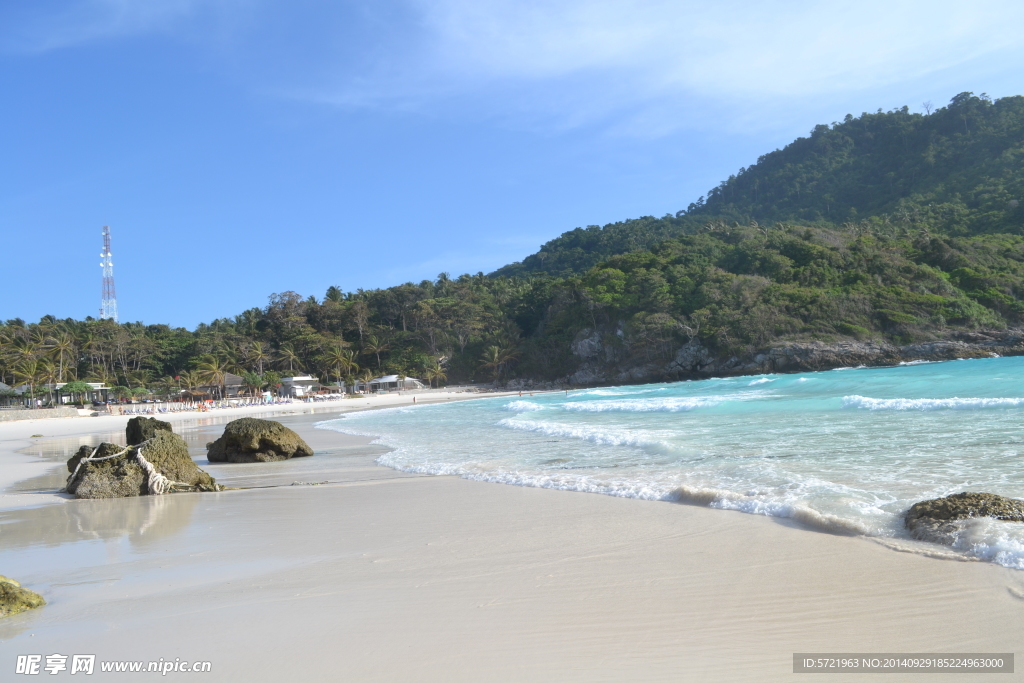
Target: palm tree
(24,372)
(376,346)
(435,372)
(258,354)
(62,348)
(212,371)
(340,360)
(46,374)
(286,354)
(496,358)
(366,378)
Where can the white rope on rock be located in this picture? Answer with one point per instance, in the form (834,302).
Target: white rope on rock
(91,459)
(156,483)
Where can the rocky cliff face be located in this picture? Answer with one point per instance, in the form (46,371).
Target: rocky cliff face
(605,360)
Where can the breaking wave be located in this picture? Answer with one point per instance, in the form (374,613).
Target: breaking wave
(523,406)
(640,405)
(929,403)
(608,436)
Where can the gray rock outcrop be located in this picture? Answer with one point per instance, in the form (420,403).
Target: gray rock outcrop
(15,599)
(611,356)
(141,429)
(253,440)
(125,475)
(937,520)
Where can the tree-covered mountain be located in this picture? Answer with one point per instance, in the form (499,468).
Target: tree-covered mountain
(956,171)
(891,227)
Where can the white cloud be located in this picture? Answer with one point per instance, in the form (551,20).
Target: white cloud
(646,65)
(778,48)
(641,67)
(41,27)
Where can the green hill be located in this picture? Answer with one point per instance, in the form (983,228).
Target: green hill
(889,228)
(957,171)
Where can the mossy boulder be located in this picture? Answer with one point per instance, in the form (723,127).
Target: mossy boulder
(141,429)
(123,476)
(936,520)
(102,451)
(15,599)
(252,440)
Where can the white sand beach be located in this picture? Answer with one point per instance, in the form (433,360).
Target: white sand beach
(387,576)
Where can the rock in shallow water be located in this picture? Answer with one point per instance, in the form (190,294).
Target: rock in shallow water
(124,476)
(141,429)
(937,520)
(15,599)
(252,440)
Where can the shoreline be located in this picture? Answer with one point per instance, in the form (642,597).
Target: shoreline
(20,435)
(403,576)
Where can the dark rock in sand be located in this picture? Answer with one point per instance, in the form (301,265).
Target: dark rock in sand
(15,599)
(102,451)
(936,520)
(253,440)
(141,429)
(124,476)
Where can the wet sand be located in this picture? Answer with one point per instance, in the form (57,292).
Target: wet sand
(385,576)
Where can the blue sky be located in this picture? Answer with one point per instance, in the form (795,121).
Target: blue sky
(243,147)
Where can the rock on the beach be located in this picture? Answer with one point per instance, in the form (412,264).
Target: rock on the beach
(936,520)
(252,440)
(15,599)
(123,476)
(140,429)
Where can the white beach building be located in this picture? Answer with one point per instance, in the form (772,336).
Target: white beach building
(394,383)
(299,386)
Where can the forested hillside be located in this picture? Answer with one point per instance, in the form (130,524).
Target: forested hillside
(957,171)
(893,226)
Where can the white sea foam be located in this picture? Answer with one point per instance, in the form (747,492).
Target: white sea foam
(929,403)
(920,361)
(640,405)
(992,540)
(522,406)
(745,447)
(763,380)
(609,436)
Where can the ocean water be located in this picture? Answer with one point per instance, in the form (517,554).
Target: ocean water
(846,450)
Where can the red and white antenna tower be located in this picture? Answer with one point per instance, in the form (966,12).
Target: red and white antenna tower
(108,303)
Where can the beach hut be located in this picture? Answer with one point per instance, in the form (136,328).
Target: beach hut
(299,386)
(395,383)
(232,385)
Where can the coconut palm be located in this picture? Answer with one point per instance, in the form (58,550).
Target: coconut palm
(376,346)
(366,377)
(258,354)
(61,347)
(340,360)
(286,356)
(435,372)
(495,359)
(213,371)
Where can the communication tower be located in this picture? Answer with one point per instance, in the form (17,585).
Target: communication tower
(108,302)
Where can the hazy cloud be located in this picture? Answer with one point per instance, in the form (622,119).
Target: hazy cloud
(649,65)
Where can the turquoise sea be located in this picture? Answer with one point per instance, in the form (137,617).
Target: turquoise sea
(847,450)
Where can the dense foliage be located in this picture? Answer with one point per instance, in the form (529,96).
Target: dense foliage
(956,171)
(891,225)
